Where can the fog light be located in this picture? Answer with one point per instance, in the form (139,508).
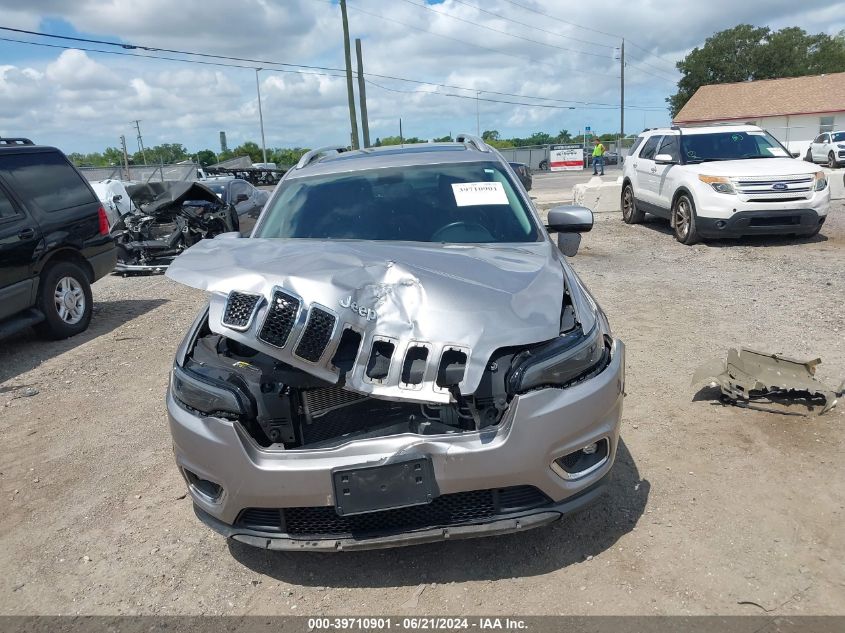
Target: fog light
(721,224)
(209,490)
(584,461)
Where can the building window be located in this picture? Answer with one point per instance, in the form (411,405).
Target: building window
(826,124)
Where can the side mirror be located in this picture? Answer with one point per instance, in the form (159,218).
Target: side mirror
(569,221)
(664,159)
(795,154)
(117,198)
(241,197)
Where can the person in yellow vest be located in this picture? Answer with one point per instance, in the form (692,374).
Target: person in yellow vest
(598,157)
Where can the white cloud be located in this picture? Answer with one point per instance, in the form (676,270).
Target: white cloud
(85,101)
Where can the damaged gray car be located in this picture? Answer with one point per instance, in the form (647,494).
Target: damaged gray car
(398,354)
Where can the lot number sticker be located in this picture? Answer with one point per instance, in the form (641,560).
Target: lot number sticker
(776,151)
(469,194)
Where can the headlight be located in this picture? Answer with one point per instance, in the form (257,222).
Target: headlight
(821,181)
(563,361)
(206,397)
(721,184)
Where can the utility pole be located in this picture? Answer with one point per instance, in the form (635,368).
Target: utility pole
(362,94)
(477,115)
(401,138)
(260,117)
(125,156)
(350,91)
(622,101)
(140,141)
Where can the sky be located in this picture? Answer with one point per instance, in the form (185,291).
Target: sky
(556,61)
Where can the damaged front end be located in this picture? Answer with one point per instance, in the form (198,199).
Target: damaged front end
(165,219)
(402,349)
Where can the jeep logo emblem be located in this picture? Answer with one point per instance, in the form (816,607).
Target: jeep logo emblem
(362,311)
(780,186)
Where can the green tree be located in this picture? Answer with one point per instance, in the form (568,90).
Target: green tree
(746,52)
(287,157)
(251,149)
(164,154)
(395,140)
(206,157)
(563,137)
(490,135)
(443,139)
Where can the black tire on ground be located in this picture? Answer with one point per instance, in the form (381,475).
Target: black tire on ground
(831,160)
(630,213)
(544,165)
(683,220)
(809,156)
(64,296)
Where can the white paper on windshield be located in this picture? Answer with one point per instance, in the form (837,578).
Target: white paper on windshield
(756,133)
(777,151)
(469,194)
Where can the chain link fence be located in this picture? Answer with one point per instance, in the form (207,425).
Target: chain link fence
(142,173)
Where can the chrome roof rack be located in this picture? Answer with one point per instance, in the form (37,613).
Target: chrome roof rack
(312,155)
(469,139)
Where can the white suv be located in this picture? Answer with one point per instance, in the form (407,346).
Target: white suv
(722,181)
(828,148)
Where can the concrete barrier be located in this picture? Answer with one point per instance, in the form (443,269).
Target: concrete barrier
(598,196)
(836,178)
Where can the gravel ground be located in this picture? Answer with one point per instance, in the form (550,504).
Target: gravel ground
(712,510)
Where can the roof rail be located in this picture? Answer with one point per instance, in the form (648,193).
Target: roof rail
(312,155)
(16,141)
(469,139)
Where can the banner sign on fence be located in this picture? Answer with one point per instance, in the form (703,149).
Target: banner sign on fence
(566,157)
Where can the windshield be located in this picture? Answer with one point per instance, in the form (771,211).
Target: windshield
(456,203)
(218,189)
(838,137)
(730,146)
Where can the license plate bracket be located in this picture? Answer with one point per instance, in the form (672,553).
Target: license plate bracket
(376,487)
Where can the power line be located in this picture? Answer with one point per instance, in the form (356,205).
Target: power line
(532,27)
(166,50)
(454,39)
(587,28)
(148,55)
(490,28)
(520,103)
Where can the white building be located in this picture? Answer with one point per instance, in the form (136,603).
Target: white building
(795,110)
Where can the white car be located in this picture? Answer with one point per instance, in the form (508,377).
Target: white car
(722,181)
(827,148)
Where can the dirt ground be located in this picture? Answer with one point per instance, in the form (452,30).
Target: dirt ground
(713,509)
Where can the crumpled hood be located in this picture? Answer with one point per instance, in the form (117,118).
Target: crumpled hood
(759,167)
(474,297)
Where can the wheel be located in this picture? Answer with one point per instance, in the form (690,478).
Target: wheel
(831,160)
(544,165)
(809,156)
(683,220)
(64,296)
(630,213)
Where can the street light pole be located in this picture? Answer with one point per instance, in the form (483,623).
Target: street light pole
(260,116)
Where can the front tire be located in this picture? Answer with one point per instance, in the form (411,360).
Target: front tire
(64,296)
(831,160)
(683,220)
(630,213)
(809,156)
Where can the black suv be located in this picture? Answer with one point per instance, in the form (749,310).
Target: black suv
(54,241)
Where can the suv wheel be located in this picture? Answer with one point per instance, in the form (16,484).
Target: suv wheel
(630,213)
(64,296)
(831,160)
(683,220)
(544,165)
(809,156)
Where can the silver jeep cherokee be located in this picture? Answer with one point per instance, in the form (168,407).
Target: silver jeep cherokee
(399,353)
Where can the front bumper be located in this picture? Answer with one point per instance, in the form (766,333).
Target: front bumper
(538,428)
(788,221)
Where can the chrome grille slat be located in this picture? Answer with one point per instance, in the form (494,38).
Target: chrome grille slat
(317,334)
(280,319)
(240,308)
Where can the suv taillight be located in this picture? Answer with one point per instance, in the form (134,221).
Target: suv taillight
(104,221)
